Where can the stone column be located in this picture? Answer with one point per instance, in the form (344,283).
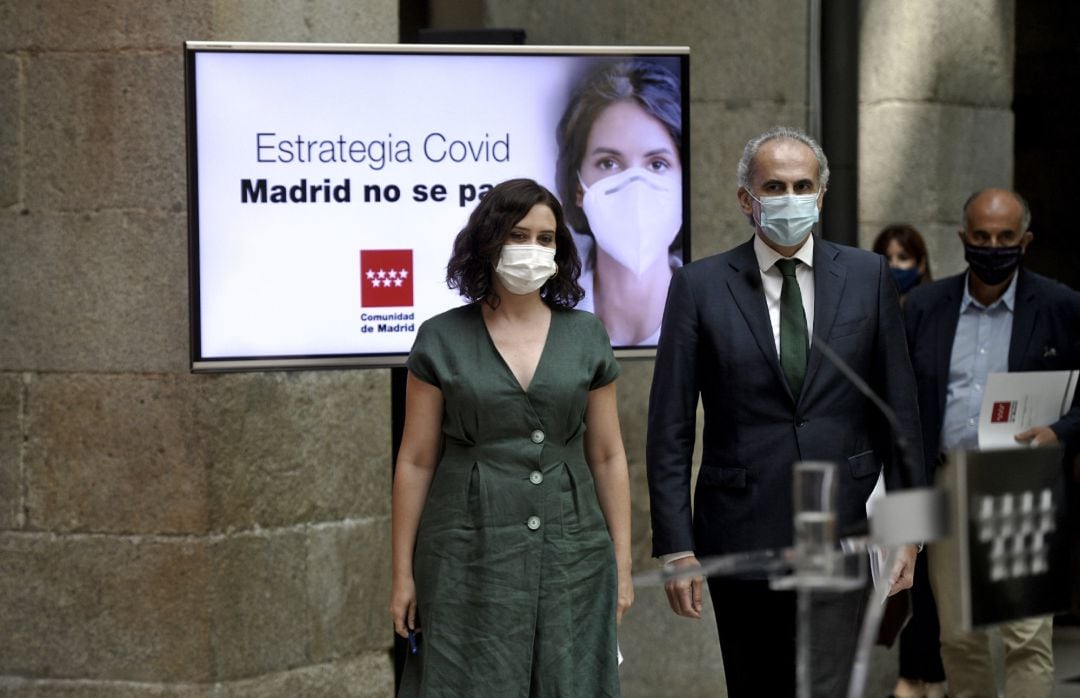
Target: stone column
(935,117)
(162,533)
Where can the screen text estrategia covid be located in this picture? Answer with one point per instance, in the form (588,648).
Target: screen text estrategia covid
(377,154)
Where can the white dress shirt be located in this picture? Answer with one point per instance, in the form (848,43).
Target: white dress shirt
(980,347)
(772,281)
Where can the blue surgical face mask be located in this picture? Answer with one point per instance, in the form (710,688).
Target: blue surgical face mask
(906,279)
(788,219)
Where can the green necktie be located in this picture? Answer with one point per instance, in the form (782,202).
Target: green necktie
(793,338)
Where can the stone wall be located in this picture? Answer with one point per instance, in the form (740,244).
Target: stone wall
(935,116)
(162,533)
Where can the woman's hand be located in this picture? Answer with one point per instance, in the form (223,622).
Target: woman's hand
(417,459)
(626,593)
(403,605)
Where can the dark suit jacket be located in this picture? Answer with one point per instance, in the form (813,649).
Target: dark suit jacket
(717,341)
(1045,337)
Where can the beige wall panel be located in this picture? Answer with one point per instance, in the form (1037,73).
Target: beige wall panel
(104,608)
(560,22)
(296,447)
(107,131)
(369,675)
(935,115)
(949,52)
(726,62)
(121,438)
(11,132)
(17,687)
(298,597)
(718,34)
(667,655)
(348,568)
(921,161)
(258,604)
(12,401)
(94,25)
(371,21)
(114,453)
(96,291)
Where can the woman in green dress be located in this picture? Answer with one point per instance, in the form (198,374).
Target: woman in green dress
(511,503)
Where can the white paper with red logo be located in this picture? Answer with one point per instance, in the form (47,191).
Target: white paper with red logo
(1015,402)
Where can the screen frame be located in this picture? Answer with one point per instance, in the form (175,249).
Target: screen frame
(202,364)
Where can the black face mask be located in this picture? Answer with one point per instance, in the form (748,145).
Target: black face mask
(993,264)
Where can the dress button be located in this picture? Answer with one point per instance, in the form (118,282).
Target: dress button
(533,523)
(537,436)
(536,477)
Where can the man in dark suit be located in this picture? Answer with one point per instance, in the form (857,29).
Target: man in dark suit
(736,332)
(996,316)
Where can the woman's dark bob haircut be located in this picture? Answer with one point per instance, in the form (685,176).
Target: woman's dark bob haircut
(910,241)
(477,246)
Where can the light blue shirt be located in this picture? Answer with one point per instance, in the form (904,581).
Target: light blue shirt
(981,347)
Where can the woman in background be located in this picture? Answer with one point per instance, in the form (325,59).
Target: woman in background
(921,672)
(905,250)
(619,174)
(511,502)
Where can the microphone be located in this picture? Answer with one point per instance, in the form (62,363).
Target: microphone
(901,441)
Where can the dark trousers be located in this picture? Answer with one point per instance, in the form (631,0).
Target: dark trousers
(920,643)
(757,638)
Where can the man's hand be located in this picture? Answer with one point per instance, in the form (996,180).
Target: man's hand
(903,572)
(1037,436)
(684,593)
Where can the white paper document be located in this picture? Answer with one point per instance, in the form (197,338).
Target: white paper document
(1015,402)
(876,552)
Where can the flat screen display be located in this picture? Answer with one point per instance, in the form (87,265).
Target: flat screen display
(326,184)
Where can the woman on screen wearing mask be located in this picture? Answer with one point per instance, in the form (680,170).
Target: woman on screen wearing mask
(511,501)
(905,250)
(619,173)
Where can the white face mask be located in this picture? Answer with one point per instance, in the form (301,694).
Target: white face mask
(788,219)
(523,269)
(634,216)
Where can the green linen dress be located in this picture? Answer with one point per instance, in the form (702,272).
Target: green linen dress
(514,566)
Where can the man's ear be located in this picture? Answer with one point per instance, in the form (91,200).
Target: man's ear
(1025,241)
(746,204)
